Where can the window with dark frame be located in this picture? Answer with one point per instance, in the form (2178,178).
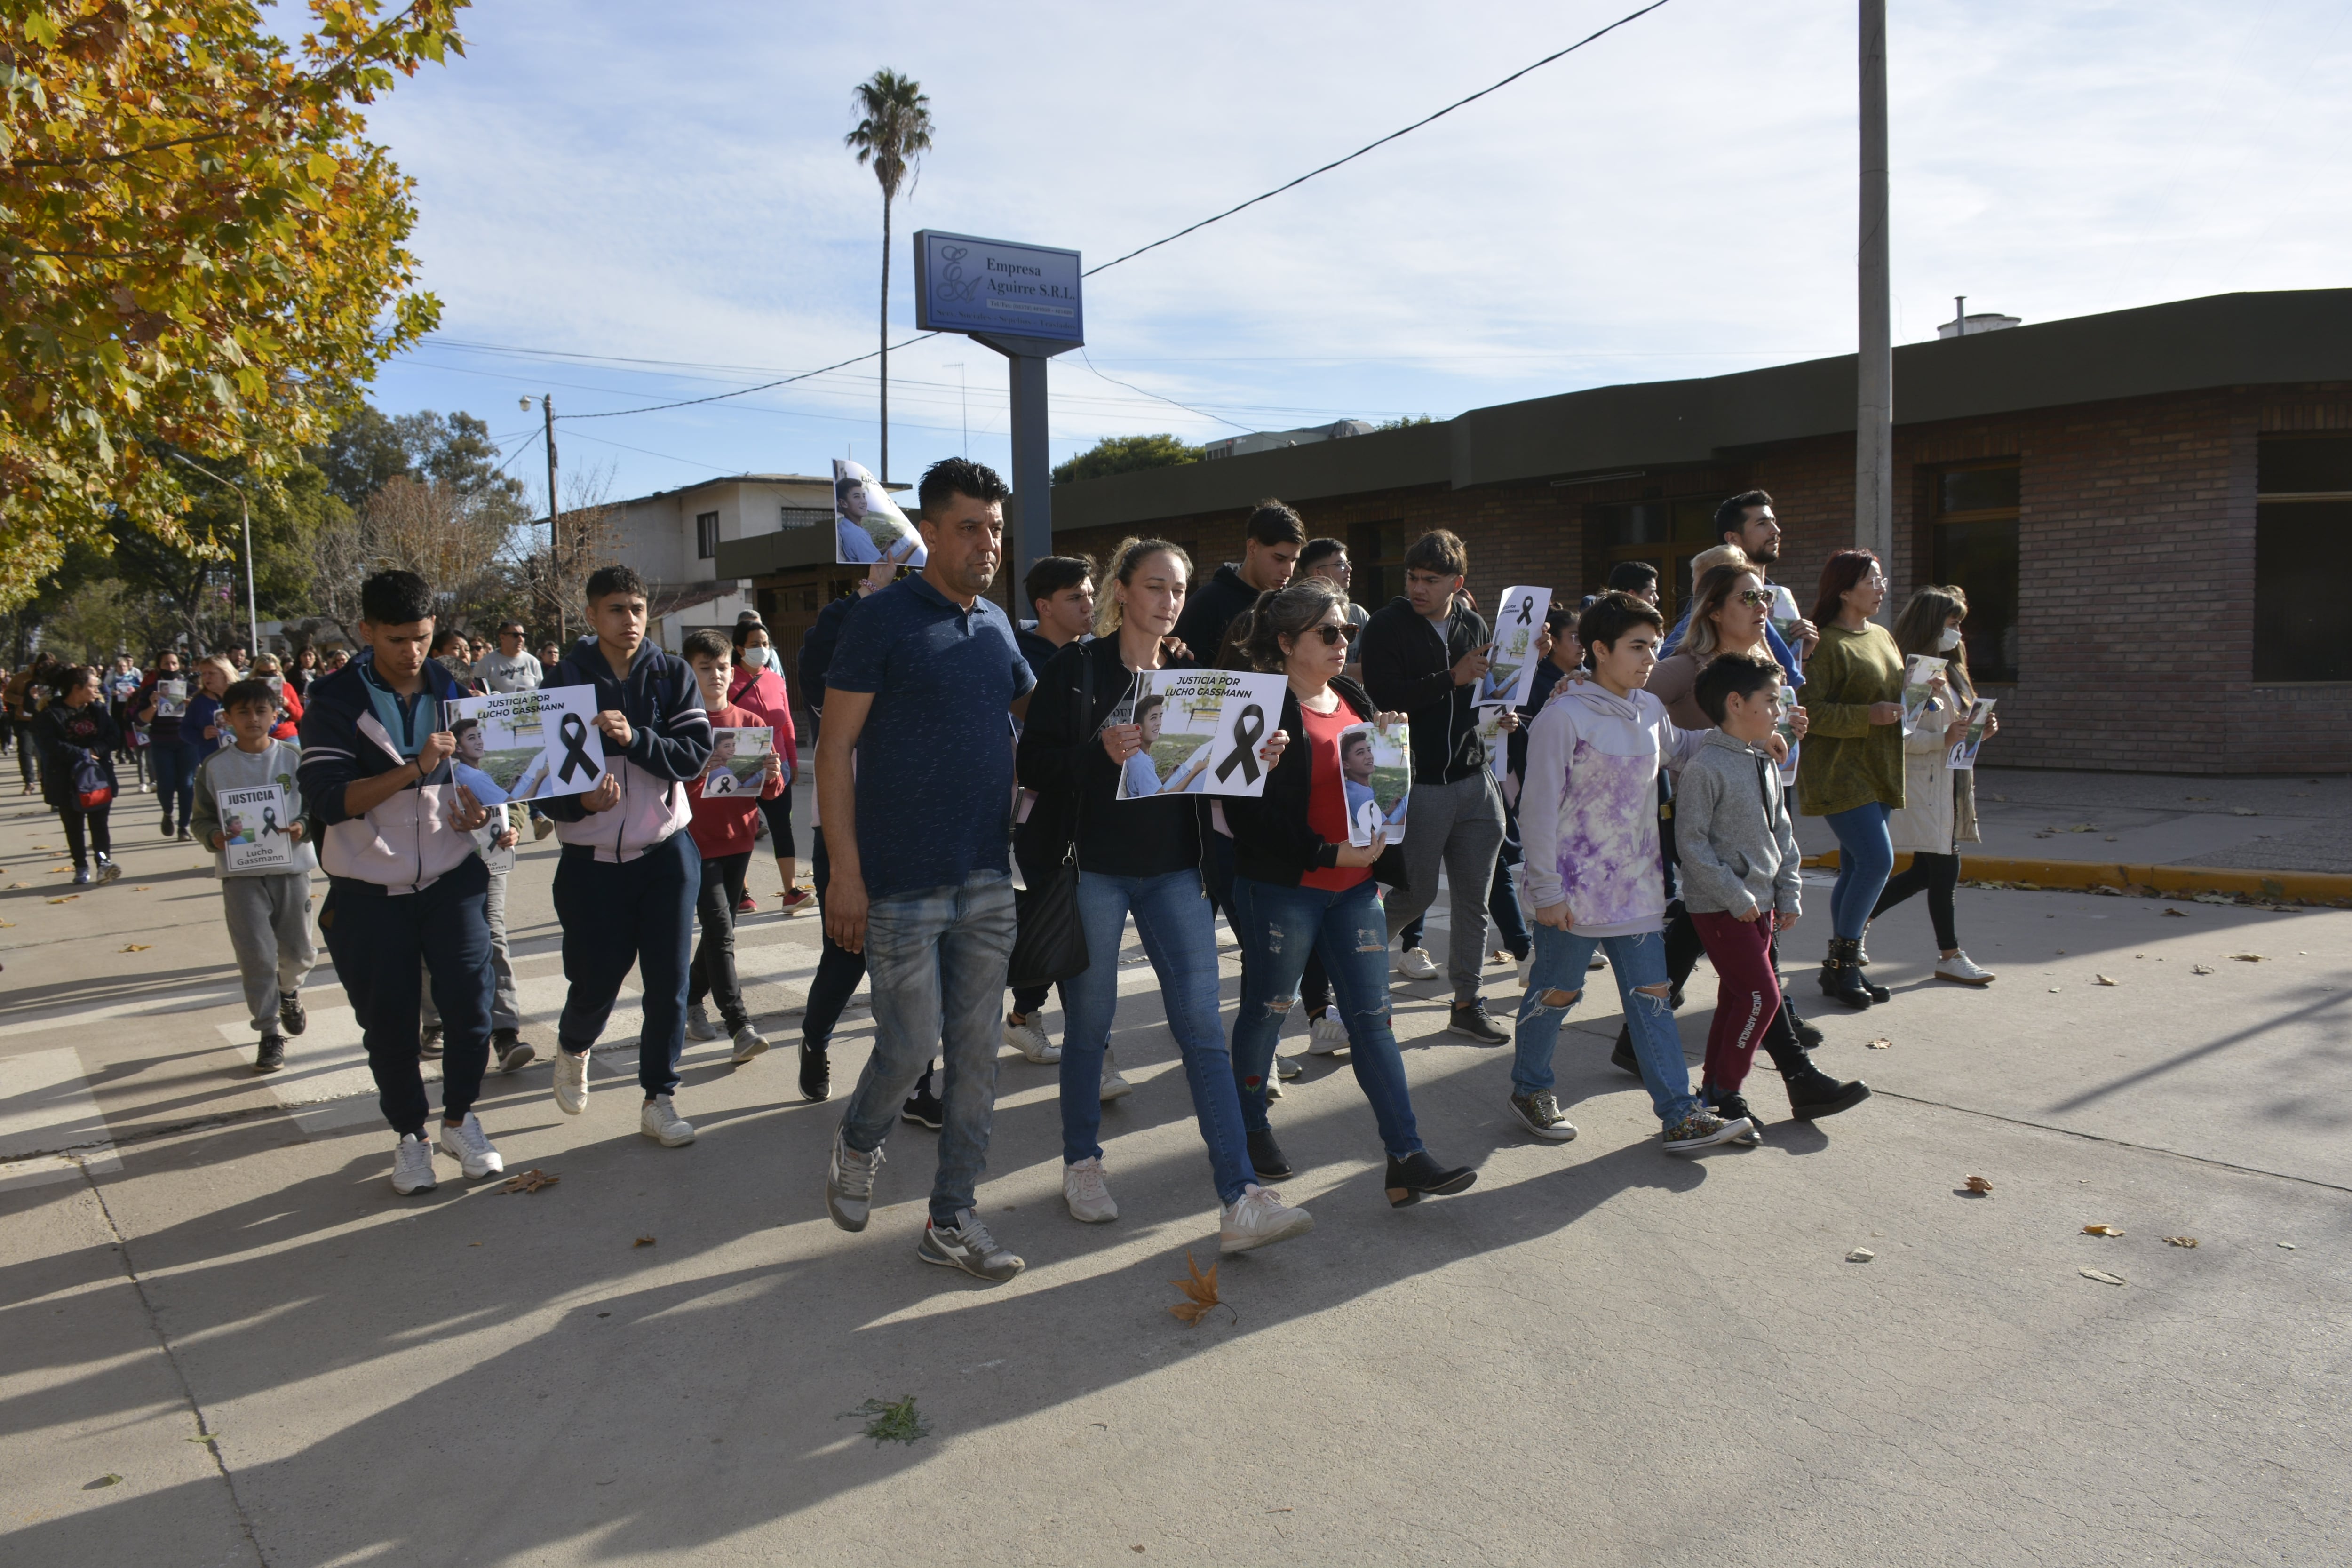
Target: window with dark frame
(706,535)
(1376,552)
(1973,521)
(2302,507)
(1665,534)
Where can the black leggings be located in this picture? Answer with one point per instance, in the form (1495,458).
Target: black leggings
(838,970)
(1937,875)
(779,812)
(713,970)
(100,839)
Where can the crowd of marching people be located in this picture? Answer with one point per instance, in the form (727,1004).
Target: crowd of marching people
(971,835)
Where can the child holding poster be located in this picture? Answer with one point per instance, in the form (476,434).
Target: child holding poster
(248,811)
(725,828)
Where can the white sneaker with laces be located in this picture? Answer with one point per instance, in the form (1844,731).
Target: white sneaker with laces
(1963,969)
(1259,1218)
(966,1244)
(849,1184)
(749,1043)
(1089,1195)
(697,1023)
(1028,1037)
(1416,964)
(1326,1035)
(412,1167)
(471,1147)
(1113,1084)
(660,1121)
(1288,1068)
(571,1082)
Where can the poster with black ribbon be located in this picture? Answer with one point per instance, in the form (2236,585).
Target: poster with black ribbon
(1204,730)
(533,745)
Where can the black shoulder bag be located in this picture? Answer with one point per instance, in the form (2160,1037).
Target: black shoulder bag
(1051,945)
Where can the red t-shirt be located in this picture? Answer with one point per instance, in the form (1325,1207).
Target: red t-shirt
(1326,797)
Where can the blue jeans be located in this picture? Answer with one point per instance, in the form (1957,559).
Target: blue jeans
(1279,927)
(937,959)
(618,913)
(1561,959)
(175,778)
(1865,859)
(1179,927)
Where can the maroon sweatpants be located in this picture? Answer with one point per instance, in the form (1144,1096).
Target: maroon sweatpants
(1747,994)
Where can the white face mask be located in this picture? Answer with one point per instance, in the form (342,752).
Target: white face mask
(754,657)
(1949,640)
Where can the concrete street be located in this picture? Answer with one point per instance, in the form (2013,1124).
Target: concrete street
(227,1343)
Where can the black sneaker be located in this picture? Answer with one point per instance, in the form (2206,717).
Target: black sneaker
(1419,1175)
(1813,1093)
(1623,1057)
(1265,1158)
(290,1016)
(1807,1035)
(167,827)
(1470,1019)
(923,1109)
(271,1056)
(428,1046)
(1734,1108)
(816,1072)
(512,1051)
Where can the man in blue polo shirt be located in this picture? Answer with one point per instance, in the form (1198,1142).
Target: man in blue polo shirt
(915,789)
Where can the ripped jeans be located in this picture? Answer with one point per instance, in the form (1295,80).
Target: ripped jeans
(1278,927)
(1560,957)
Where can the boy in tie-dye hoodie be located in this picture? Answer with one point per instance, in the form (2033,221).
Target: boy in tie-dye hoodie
(1588,825)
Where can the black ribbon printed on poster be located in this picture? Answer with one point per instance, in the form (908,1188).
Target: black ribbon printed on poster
(1248,728)
(573,731)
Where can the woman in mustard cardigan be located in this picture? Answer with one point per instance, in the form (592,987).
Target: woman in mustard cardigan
(1850,770)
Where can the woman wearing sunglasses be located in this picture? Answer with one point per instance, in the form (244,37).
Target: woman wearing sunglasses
(1300,886)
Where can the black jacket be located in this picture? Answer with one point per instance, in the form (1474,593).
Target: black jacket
(1207,614)
(63,733)
(1407,672)
(816,657)
(1272,842)
(1061,755)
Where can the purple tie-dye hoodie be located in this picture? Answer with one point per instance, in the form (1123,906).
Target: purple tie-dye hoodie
(1588,811)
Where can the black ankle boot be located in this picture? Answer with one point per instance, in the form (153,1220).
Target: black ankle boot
(1807,1035)
(1623,1057)
(1265,1157)
(816,1072)
(1813,1093)
(1419,1175)
(1841,981)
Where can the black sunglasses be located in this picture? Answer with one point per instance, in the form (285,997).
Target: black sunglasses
(1345,631)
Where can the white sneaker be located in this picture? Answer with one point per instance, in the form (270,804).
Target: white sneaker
(1416,964)
(1288,1068)
(1029,1038)
(748,1044)
(660,1121)
(571,1082)
(412,1167)
(1089,1195)
(1964,968)
(1522,967)
(1326,1035)
(698,1024)
(471,1147)
(1596,962)
(1259,1218)
(1113,1085)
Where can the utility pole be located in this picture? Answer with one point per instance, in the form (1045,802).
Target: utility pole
(252,616)
(1873,475)
(554,535)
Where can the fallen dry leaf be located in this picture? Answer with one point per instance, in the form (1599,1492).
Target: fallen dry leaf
(60,870)
(69,898)
(530,1181)
(642,1241)
(2247,957)
(2242,811)
(2180,1241)
(2169,910)
(13,887)
(106,1480)
(1881,1044)
(1860,1255)
(2200,969)
(2101,1274)
(2101,1230)
(139,947)
(1978,1185)
(1200,1293)
(2289,1246)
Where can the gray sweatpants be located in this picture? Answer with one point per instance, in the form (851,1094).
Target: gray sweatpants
(269,927)
(1461,825)
(505,1014)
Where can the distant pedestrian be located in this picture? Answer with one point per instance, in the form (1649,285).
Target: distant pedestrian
(171,754)
(78,741)
(268,909)
(508,667)
(756,684)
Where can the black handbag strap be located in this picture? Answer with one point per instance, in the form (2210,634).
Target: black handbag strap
(1077,806)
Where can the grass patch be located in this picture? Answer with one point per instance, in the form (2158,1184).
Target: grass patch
(890,1422)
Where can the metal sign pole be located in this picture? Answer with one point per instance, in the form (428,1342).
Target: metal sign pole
(1032,523)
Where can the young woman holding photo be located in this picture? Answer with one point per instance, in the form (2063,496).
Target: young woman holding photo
(1139,856)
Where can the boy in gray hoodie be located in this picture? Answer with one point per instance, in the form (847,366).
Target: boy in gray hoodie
(264,860)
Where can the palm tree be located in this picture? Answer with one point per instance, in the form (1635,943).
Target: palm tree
(894,132)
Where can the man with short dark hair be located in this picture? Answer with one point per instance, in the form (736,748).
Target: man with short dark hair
(1638,578)
(1061,593)
(915,777)
(1423,655)
(1271,542)
(1747,520)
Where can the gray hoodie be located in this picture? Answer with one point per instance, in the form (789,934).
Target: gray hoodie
(232,767)
(1732,833)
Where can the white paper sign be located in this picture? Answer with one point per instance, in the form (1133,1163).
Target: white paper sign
(1201,733)
(1963,754)
(1496,739)
(1917,675)
(1511,670)
(1376,771)
(868,525)
(737,756)
(171,698)
(255,821)
(534,746)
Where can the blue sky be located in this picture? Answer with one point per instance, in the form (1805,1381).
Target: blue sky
(626,205)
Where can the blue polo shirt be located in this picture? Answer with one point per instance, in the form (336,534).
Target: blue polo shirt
(935,759)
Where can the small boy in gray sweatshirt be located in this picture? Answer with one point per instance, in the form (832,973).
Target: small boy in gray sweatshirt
(264,860)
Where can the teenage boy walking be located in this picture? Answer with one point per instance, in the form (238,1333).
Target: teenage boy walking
(1271,542)
(1423,655)
(724,832)
(1061,593)
(629,872)
(403,880)
(915,777)
(269,911)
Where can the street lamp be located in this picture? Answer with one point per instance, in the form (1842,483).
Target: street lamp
(252,616)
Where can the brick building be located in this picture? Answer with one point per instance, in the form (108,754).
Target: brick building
(2146,509)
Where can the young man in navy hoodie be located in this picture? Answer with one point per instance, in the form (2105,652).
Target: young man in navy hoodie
(629,874)
(404,882)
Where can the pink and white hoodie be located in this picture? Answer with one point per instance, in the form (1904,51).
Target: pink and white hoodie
(1589,810)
